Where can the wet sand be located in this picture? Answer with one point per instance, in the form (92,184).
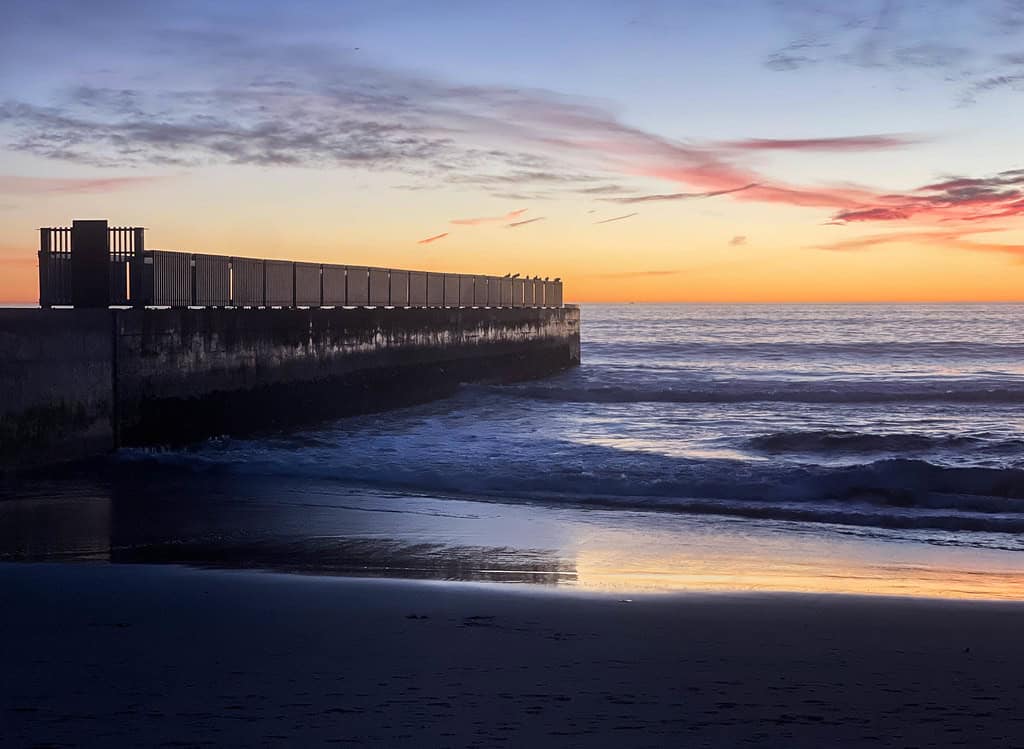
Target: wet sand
(101,655)
(322,527)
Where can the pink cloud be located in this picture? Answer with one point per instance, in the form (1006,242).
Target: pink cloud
(714,170)
(616,218)
(488,219)
(870,214)
(576,130)
(516,224)
(544,137)
(15,185)
(534,136)
(855,244)
(948,239)
(581,134)
(958,199)
(434,238)
(677,195)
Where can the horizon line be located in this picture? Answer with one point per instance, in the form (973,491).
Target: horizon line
(11,304)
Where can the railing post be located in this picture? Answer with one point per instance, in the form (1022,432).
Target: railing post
(140,283)
(45,292)
(90,264)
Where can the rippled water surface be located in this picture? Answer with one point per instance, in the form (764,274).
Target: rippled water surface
(897,416)
(899,424)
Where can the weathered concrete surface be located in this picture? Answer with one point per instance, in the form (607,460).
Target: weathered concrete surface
(90,379)
(56,371)
(187,373)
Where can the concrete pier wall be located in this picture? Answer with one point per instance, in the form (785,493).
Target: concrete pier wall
(56,371)
(78,382)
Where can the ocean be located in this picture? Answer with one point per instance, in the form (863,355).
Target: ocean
(835,448)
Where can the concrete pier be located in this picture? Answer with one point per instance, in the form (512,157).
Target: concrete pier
(77,383)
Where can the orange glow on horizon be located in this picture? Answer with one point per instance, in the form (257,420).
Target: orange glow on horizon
(640,260)
(19,280)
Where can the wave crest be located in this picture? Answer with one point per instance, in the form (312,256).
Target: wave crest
(779,392)
(837,441)
(899,492)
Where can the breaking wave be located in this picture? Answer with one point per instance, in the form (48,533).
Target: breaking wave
(827,442)
(900,493)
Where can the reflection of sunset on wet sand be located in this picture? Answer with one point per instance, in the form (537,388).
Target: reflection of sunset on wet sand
(368,533)
(764,570)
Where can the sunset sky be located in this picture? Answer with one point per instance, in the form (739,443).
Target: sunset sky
(643,151)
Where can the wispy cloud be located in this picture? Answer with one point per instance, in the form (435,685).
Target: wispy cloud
(319,111)
(434,238)
(616,218)
(738,241)
(999,196)
(869,214)
(17,185)
(794,56)
(941,239)
(384,120)
(1012,80)
(516,224)
(975,47)
(602,190)
(488,219)
(306,106)
(844,143)
(677,195)
(198,132)
(522,196)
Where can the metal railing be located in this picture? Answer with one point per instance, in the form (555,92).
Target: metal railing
(160,278)
(55,266)
(124,244)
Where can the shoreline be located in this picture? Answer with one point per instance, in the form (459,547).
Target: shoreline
(229,522)
(494,585)
(102,654)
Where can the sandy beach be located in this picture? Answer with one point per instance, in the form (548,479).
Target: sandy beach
(105,655)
